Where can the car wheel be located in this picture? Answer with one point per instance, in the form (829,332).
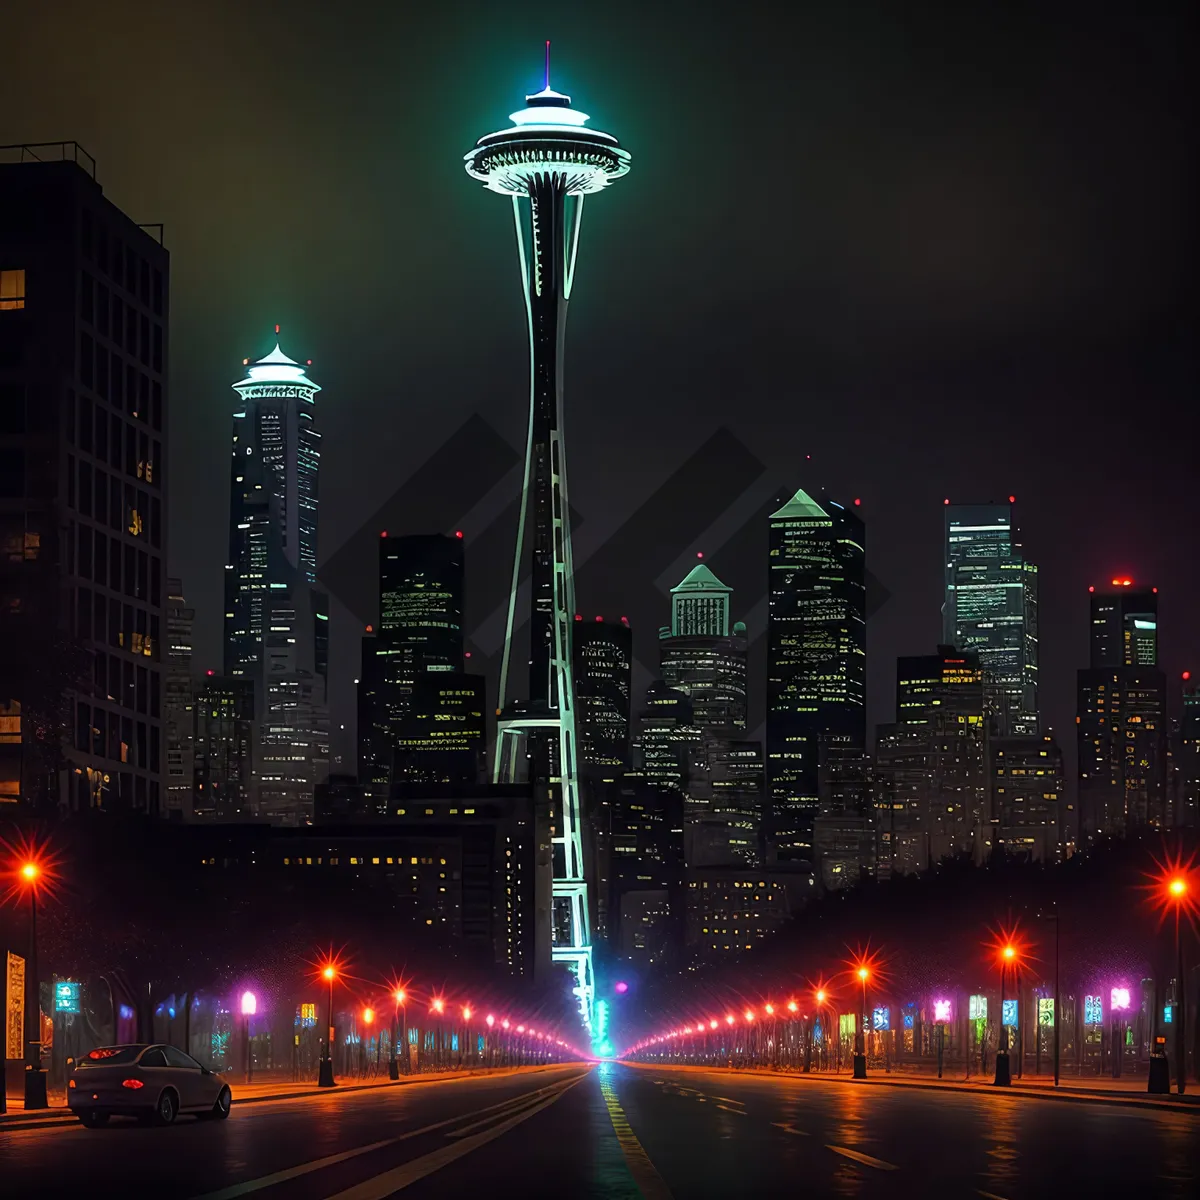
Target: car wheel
(167,1108)
(94,1120)
(220,1110)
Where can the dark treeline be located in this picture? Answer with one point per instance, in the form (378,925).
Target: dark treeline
(937,930)
(134,899)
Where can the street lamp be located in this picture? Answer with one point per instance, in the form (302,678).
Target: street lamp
(399,996)
(30,877)
(1009,958)
(249,1008)
(1178,889)
(329,973)
(860,1055)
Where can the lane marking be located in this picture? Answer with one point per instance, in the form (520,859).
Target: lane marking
(741,1112)
(865,1159)
(529,1102)
(649,1182)
(988,1195)
(790,1129)
(318,1164)
(398,1178)
(729,1101)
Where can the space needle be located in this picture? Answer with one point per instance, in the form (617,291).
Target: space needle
(548,161)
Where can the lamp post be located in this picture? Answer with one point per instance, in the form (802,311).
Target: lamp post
(488,1047)
(1008,955)
(249,1008)
(438,1011)
(1177,890)
(325,1075)
(31,875)
(368,1017)
(399,996)
(860,1045)
(820,996)
(462,1040)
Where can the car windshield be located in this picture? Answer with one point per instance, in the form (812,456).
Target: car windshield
(110,1056)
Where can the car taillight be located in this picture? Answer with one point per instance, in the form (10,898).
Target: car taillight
(132,1083)
(70,1083)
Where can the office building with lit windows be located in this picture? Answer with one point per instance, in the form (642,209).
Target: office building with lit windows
(276,618)
(178,704)
(1187,802)
(603,652)
(473,862)
(816,657)
(950,681)
(223,748)
(419,634)
(83,496)
(1031,816)
(1121,716)
(990,610)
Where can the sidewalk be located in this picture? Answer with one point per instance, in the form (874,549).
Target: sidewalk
(1129,1091)
(258,1093)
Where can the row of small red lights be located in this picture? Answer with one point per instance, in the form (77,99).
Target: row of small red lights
(331,971)
(1173,887)
(710,1024)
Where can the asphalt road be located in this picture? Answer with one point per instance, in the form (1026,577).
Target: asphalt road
(622,1133)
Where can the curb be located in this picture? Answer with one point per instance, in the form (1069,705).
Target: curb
(56,1116)
(1077,1096)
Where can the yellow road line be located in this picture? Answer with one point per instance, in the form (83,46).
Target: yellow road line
(865,1159)
(650,1183)
(387,1182)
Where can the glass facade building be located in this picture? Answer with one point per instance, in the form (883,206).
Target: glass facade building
(991,610)
(816,657)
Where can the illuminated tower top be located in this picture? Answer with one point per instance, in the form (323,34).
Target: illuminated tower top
(547,135)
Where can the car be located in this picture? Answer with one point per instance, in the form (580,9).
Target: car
(154,1083)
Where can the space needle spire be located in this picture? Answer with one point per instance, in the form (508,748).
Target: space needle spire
(547,161)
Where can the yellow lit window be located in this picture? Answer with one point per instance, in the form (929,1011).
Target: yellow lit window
(12,289)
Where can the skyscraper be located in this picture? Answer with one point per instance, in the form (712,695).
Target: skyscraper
(276,619)
(1187,806)
(419,634)
(991,610)
(178,702)
(816,656)
(1121,715)
(548,158)
(603,695)
(930,684)
(1029,798)
(83,496)
(701,655)
(441,739)
(224,748)
(1124,626)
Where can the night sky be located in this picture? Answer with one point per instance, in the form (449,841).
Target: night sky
(946,254)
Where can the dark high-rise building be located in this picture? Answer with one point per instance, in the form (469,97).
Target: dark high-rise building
(276,619)
(703,655)
(1124,626)
(603,653)
(1029,798)
(83,497)
(991,610)
(1187,805)
(816,657)
(1121,716)
(178,703)
(419,634)
(223,748)
(930,684)
(442,738)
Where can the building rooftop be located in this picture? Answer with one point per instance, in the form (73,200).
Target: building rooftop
(800,505)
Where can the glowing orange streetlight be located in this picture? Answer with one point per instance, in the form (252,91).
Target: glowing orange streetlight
(33,872)
(1177,889)
(329,972)
(466,1012)
(1010,956)
(793,1007)
(438,1006)
(368,1016)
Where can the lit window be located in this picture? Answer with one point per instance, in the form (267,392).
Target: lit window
(12,289)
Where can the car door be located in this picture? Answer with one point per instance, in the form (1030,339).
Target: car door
(187,1078)
(153,1069)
